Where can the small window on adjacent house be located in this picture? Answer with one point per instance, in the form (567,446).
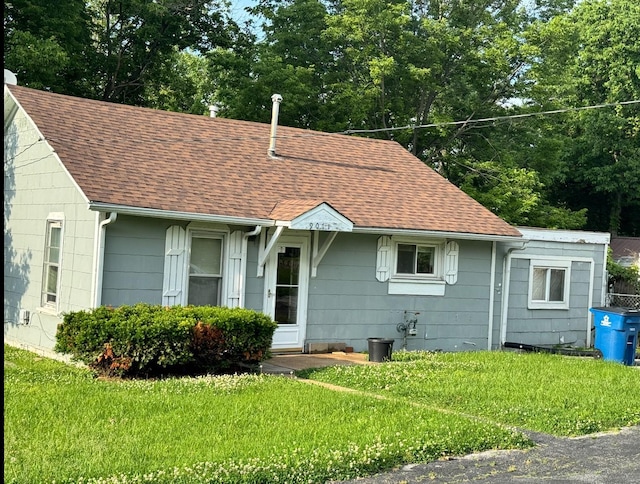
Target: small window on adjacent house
(205,271)
(414,259)
(549,284)
(51,266)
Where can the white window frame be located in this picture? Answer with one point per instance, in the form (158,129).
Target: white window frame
(206,234)
(438,255)
(53,221)
(549,264)
(432,284)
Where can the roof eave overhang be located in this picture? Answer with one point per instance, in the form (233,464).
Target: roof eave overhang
(225,219)
(438,233)
(174,215)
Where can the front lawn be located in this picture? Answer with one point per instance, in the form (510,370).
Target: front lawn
(63,425)
(549,393)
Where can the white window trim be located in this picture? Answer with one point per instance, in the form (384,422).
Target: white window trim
(44,307)
(417,284)
(438,260)
(550,264)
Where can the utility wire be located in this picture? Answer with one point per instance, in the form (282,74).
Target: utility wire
(484,120)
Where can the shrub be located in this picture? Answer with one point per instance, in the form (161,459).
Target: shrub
(146,339)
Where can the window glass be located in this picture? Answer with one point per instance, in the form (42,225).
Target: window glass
(51,266)
(205,271)
(205,256)
(203,291)
(548,285)
(288,266)
(539,284)
(415,259)
(556,285)
(406,259)
(425,260)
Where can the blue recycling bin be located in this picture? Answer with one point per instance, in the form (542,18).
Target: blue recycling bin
(617,333)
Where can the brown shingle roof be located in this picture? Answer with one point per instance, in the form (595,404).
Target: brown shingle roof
(153,159)
(625,247)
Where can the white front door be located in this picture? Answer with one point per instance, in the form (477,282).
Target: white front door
(286,291)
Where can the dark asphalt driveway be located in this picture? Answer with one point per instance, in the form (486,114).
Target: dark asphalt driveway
(607,458)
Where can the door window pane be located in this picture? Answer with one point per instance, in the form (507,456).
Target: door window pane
(289,266)
(286,305)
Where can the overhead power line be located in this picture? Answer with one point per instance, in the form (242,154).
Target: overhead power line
(484,120)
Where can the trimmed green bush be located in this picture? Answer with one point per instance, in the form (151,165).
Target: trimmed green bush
(144,339)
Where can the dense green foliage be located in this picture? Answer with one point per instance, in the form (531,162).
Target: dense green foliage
(629,276)
(147,339)
(423,73)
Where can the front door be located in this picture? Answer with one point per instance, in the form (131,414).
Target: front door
(286,291)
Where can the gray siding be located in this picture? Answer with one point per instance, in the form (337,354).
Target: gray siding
(134,261)
(35,185)
(555,326)
(254,292)
(347,303)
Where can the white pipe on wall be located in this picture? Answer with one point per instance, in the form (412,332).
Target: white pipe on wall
(505,293)
(99,258)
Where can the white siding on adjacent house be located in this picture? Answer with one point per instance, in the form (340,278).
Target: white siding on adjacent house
(36,185)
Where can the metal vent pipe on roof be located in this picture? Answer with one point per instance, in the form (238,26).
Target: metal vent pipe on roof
(213,110)
(276,99)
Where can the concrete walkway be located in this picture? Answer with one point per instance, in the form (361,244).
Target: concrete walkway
(286,364)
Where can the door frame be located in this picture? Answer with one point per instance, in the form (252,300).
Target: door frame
(290,336)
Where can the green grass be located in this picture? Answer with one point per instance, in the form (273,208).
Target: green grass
(543,392)
(63,425)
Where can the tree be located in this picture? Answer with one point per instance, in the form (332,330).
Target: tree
(373,65)
(114,50)
(291,59)
(46,43)
(591,56)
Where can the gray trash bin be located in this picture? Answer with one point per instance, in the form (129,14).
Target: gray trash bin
(380,349)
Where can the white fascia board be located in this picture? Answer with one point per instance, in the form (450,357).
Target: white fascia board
(436,234)
(169,214)
(570,236)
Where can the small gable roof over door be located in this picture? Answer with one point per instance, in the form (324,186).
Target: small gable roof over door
(172,163)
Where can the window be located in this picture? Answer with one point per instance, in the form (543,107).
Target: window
(415,259)
(205,270)
(548,284)
(51,265)
(416,266)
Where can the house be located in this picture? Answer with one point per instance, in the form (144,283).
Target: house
(338,238)
(626,251)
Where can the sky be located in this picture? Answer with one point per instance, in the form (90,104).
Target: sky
(237,9)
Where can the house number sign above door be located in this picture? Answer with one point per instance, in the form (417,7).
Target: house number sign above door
(323,218)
